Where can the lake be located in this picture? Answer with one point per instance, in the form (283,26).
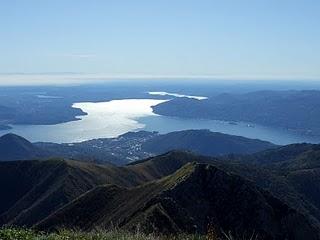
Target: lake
(116,117)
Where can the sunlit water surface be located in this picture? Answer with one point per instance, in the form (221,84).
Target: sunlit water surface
(116,117)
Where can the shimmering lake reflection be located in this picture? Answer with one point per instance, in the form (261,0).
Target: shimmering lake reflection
(116,117)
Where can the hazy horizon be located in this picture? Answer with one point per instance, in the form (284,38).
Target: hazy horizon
(43,79)
(165,39)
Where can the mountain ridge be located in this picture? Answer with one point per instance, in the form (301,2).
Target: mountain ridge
(167,206)
(61,182)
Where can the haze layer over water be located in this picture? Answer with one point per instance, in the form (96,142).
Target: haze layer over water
(103,120)
(116,117)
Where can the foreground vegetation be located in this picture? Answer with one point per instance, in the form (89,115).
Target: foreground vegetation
(27,234)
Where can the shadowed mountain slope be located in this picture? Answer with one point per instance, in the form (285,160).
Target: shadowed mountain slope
(291,173)
(45,187)
(204,142)
(168,206)
(14,147)
(32,190)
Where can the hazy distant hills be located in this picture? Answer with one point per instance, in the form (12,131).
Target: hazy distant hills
(29,109)
(138,145)
(295,110)
(53,104)
(204,142)
(13,147)
(168,194)
(131,146)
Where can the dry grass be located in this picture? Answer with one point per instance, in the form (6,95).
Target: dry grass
(27,234)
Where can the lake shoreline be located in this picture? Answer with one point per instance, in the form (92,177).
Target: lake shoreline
(113,118)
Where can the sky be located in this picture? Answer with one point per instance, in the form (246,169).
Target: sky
(247,39)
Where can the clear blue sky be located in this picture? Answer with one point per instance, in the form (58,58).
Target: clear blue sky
(268,38)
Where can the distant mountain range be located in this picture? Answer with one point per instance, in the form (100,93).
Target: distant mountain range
(132,146)
(295,110)
(174,192)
